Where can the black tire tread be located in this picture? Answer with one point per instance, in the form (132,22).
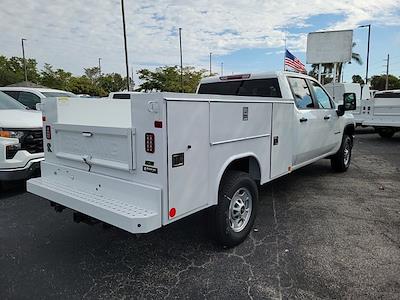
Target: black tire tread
(227,186)
(337,162)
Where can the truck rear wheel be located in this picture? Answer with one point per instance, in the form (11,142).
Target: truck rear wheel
(236,209)
(340,162)
(385,133)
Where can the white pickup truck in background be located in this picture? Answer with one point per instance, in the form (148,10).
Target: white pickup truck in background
(145,163)
(383,113)
(21,143)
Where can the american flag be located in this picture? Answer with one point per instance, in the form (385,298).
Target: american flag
(293,62)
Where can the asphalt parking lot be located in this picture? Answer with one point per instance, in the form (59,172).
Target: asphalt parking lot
(318,234)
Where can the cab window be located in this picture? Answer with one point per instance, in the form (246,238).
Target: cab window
(301,93)
(321,96)
(14,94)
(29,99)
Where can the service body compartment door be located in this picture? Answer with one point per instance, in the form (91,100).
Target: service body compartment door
(188,150)
(282,139)
(91,147)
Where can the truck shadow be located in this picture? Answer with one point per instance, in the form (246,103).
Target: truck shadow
(12,188)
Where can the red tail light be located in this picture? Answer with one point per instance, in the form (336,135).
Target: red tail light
(48,132)
(149,142)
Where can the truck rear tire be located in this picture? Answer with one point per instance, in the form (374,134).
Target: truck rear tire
(340,162)
(236,209)
(385,133)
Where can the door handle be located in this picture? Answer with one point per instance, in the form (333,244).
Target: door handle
(303,120)
(327,117)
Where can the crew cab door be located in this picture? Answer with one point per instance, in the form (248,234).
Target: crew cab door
(329,132)
(307,123)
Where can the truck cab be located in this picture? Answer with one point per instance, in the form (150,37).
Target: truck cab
(317,129)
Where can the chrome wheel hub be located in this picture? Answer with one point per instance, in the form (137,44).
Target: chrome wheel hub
(346,156)
(240,209)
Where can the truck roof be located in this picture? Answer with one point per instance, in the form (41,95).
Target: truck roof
(27,89)
(270,74)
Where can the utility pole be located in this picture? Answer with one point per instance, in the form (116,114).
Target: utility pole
(181,57)
(369,40)
(132,83)
(126,46)
(23,59)
(222,68)
(210,62)
(99,66)
(387,73)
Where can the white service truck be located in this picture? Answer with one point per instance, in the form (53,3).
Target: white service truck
(363,95)
(383,112)
(144,163)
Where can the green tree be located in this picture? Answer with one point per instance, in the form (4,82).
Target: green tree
(111,82)
(92,73)
(57,79)
(83,85)
(168,79)
(357,79)
(12,70)
(378,82)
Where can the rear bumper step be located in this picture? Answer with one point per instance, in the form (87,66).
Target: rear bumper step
(123,213)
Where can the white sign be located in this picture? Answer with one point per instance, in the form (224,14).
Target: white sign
(329,46)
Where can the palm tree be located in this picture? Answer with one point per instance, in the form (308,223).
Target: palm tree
(328,68)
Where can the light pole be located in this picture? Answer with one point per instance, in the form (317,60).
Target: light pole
(369,39)
(99,66)
(180,53)
(210,62)
(387,73)
(126,46)
(23,58)
(222,68)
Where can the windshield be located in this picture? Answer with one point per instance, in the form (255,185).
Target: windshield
(6,102)
(58,94)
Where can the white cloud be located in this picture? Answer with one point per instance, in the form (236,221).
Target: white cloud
(73,34)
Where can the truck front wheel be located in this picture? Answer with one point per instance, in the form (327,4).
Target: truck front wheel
(236,209)
(340,162)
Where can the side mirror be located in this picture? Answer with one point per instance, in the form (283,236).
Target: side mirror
(349,101)
(340,110)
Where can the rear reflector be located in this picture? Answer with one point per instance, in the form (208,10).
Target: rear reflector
(157,124)
(149,142)
(48,132)
(232,77)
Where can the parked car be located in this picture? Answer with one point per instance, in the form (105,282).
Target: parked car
(31,96)
(147,162)
(21,141)
(383,113)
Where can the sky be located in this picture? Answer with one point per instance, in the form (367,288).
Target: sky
(244,35)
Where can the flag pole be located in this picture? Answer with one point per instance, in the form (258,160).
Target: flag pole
(284,53)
